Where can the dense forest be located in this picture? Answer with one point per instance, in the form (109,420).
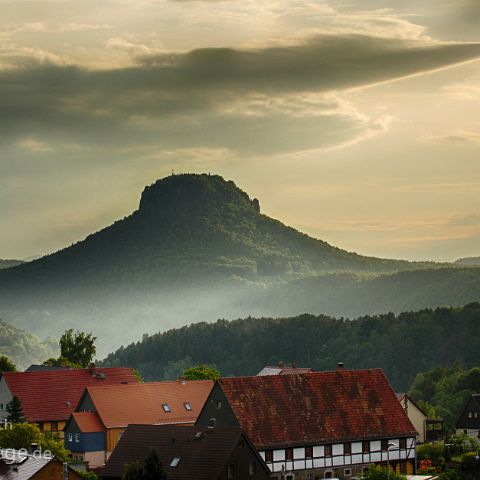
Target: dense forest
(443,391)
(23,348)
(198,249)
(402,345)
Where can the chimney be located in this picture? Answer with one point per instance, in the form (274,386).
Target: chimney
(340,366)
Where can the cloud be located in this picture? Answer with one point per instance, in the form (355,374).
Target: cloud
(469,90)
(457,137)
(253,101)
(34,145)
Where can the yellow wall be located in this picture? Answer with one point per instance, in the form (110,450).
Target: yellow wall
(113,436)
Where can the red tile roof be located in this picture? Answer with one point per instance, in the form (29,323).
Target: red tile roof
(88,422)
(121,405)
(317,407)
(54,395)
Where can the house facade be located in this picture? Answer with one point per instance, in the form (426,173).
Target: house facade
(429,430)
(104,412)
(49,396)
(16,465)
(469,420)
(317,425)
(189,452)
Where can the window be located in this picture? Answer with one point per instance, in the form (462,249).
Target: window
(347,448)
(364,469)
(188,406)
(289,454)
(403,444)
(175,462)
(219,404)
(384,446)
(465,431)
(308,452)
(70,437)
(328,450)
(252,469)
(470,414)
(212,423)
(165,407)
(365,447)
(54,427)
(347,472)
(328,474)
(77,438)
(1,406)
(475,414)
(269,456)
(231,471)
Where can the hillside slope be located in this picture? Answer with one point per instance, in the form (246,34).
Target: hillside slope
(23,348)
(198,248)
(9,263)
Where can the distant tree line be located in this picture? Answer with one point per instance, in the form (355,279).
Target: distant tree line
(403,345)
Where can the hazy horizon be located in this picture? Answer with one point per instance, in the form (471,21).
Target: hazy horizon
(355,123)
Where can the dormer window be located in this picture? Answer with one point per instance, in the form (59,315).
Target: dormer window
(188,406)
(470,414)
(166,407)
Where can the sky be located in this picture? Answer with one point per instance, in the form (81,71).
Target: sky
(356,122)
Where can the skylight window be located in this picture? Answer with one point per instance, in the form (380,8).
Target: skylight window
(175,462)
(166,407)
(188,406)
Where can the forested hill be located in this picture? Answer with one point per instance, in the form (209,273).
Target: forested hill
(9,263)
(23,348)
(198,248)
(471,261)
(402,345)
(192,225)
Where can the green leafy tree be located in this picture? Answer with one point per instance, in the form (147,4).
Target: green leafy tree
(60,362)
(6,365)
(133,471)
(23,435)
(78,347)
(150,469)
(201,372)
(15,411)
(380,473)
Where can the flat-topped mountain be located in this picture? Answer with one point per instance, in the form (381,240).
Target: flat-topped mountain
(199,248)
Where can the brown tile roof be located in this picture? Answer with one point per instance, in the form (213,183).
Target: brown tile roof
(318,407)
(203,452)
(54,395)
(120,405)
(88,422)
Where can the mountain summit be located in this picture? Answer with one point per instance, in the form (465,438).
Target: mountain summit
(198,248)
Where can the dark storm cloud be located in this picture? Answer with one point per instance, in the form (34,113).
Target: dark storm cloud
(180,100)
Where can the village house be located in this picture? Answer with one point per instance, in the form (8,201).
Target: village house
(317,425)
(104,412)
(429,430)
(189,452)
(49,397)
(469,421)
(17,465)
